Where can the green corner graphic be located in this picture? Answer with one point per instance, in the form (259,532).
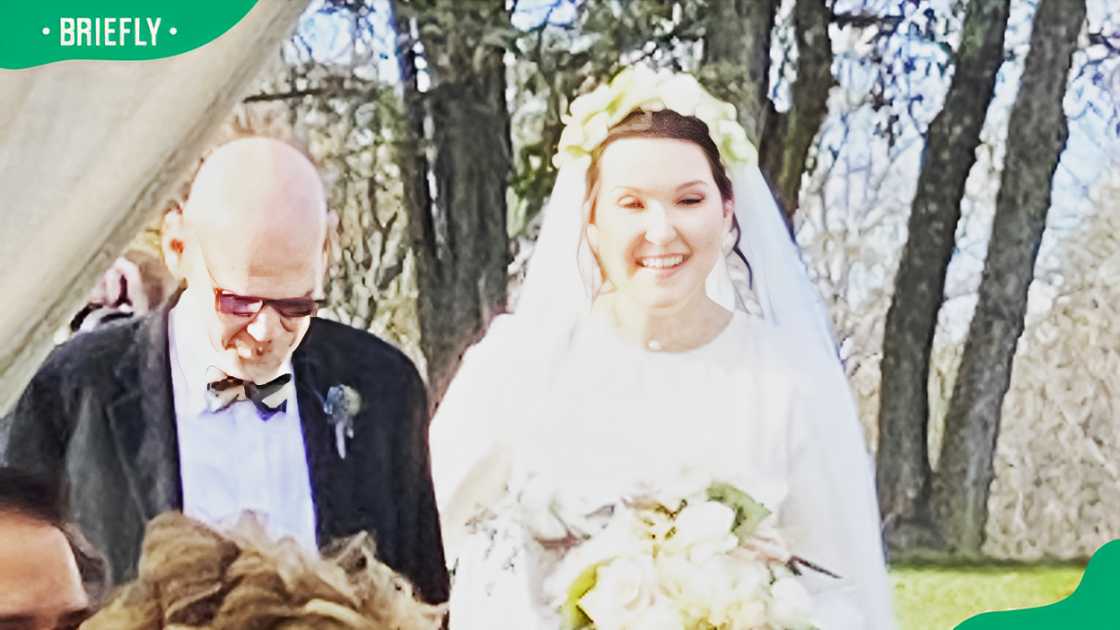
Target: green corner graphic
(1095,605)
(42,32)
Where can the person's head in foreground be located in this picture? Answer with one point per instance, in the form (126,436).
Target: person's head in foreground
(659,215)
(192,576)
(49,578)
(250,242)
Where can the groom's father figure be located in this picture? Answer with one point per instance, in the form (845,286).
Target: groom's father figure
(235,397)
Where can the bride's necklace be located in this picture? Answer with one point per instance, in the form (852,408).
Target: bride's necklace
(669,344)
(685,338)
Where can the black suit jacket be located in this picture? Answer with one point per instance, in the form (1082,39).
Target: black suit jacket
(101,412)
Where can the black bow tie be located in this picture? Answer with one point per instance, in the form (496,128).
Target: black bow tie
(222,390)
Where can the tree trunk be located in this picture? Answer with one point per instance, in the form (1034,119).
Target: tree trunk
(784,149)
(903,461)
(1038,135)
(457,200)
(737,51)
(737,37)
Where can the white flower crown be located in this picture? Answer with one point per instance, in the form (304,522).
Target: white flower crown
(640,88)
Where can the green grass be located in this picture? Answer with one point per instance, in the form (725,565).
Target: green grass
(937,598)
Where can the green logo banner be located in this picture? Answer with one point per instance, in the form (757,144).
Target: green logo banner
(44,31)
(1093,605)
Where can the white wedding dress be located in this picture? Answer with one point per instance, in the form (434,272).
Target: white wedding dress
(612,418)
(554,414)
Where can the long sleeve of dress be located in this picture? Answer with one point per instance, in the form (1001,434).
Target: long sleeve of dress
(831,515)
(469,435)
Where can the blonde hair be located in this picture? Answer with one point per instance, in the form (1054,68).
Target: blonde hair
(192,576)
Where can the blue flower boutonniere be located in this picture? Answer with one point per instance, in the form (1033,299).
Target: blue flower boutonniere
(342,404)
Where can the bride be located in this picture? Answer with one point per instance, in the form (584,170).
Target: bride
(666,331)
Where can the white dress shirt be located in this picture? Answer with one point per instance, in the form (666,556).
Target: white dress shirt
(233,461)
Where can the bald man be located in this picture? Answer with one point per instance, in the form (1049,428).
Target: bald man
(234,397)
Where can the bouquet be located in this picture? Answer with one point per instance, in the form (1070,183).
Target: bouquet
(711,560)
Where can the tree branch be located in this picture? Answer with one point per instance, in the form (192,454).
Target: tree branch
(860,20)
(786,144)
(297,94)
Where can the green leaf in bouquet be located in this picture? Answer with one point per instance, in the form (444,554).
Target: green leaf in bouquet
(748,512)
(573,616)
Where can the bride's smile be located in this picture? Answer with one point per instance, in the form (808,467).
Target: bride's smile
(658,220)
(664,264)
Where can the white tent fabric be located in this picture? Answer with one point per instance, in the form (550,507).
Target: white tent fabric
(88,150)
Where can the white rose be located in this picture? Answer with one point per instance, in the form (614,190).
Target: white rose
(748,616)
(662,614)
(624,536)
(595,130)
(714,590)
(681,93)
(712,110)
(589,104)
(749,581)
(634,89)
(703,529)
(792,607)
(638,79)
(623,589)
(695,589)
(733,143)
(572,136)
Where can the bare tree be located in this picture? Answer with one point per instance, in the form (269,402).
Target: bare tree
(903,462)
(965,472)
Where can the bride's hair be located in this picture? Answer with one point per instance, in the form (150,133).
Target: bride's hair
(192,576)
(666,124)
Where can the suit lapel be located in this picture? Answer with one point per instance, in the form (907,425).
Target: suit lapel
(142,417)
(330,489)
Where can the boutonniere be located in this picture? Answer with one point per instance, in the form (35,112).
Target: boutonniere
(341,406)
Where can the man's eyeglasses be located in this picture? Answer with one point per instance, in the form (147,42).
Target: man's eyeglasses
(248,306)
